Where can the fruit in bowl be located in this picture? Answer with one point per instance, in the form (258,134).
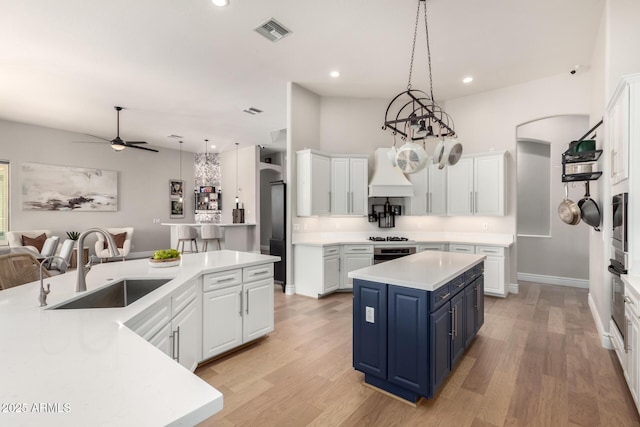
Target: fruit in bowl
(165,255)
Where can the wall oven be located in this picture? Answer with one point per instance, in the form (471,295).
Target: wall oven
(387,253)
(618,266)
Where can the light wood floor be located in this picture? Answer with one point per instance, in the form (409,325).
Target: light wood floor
(537,361)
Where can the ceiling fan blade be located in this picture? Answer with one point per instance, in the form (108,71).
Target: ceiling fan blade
(142,148)
(89,142)
(99,137)
(137,142)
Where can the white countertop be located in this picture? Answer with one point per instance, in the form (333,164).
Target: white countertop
(425,270)
(221,224)
(633,281)
(90,364)
(415,238)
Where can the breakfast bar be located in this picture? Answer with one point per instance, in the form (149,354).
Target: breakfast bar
(413,318)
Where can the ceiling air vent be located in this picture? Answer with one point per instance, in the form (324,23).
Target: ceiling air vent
(273,30)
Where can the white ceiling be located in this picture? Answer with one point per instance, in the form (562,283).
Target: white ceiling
(186,67)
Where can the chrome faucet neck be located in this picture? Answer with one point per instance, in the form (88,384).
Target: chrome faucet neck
(81,283)
(43,293)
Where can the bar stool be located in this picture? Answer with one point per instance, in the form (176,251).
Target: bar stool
(211,232)
(187,233)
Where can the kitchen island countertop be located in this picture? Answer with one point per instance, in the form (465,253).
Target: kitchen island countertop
(85,367)
(425,271)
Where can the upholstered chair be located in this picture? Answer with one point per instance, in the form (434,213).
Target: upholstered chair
(117,233)
(211,232)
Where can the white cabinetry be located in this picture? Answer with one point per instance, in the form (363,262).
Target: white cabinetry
(349,179)
(429,192)
(495,266)
(314,183)
(353,258)
(476,185)
(317,269)
(237,308)
(173,325)
(431,247)
(330,269)
(631,345)
(622,125)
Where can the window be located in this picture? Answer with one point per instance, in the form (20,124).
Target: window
(534,188)
(4,201)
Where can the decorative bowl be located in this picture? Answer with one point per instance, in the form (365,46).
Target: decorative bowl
(160,263)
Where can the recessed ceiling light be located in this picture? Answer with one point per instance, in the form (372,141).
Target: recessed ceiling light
(220,3)
(252,111)
(334,74)
(213,146)
(174,136)
(467,79)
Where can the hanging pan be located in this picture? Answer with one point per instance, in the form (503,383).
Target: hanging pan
(568,210)
(589,210)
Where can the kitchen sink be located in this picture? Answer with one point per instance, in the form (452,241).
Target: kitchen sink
(118,294)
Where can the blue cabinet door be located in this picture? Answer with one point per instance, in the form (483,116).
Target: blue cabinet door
(370,328)
(470,311)
(458,334)
(408,358)
(440,346)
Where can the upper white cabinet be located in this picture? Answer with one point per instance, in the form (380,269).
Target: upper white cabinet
(349,179)
(429,192)
(476,185)
(314,183)
(620,111)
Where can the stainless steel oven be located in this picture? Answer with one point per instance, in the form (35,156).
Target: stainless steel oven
(387,253)
(620,221)
(618,266)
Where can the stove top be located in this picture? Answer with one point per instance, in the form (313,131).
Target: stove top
(388,239)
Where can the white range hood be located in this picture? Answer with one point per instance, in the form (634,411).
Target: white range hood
(388,180)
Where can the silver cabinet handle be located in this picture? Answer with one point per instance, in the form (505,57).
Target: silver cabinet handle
(475,201)
(426,202)
(352,209)
(627,300)
(240,312)
(471,201)
(430,203)
(613,155)
(228,279)
(329,201)
(247,292)
(477,298)
(255,273)
(460,285)
(176,345)
(626,334)
(445,295)
(358,249)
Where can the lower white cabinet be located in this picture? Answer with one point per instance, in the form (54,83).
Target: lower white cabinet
(495,266)
(185,331)
(235,312)
(173,325)
(330,273)
(631,343)
(221,320)
(317,269)
(354,257)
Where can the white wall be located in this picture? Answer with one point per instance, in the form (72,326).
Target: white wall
(565,253)
(143,183)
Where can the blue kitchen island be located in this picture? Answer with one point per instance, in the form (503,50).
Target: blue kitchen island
(413,318)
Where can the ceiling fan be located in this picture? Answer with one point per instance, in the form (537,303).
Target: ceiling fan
(118,143)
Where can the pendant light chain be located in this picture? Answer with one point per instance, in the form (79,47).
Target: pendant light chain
(426,29)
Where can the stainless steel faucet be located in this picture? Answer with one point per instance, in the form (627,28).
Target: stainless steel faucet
(81,284)
(43,293)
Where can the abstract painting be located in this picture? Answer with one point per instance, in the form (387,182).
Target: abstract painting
(68,188)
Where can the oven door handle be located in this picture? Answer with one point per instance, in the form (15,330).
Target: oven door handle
(613,271)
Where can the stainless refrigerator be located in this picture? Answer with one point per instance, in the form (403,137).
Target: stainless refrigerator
(277,242)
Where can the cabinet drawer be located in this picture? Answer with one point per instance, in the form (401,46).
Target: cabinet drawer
(458,283)
(150,321)
(183,296)
(474,272)
(249,274)
(467,249)
(631,301)
(440,296)
(358,249)
(490,250)
(221,279)
(330,250)
(432,247)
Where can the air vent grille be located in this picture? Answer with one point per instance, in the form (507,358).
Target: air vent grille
(252,111)
(273,30)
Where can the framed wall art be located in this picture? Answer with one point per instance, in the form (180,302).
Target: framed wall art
(177,209)
(176,187)
(68,188)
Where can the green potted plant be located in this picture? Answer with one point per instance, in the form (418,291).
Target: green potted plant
(73,235)
(165,258)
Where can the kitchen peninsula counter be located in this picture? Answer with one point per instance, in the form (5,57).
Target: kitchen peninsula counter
(237,237)
(85,367)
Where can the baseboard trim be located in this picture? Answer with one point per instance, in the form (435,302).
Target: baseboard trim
(605,339)
(513,288)
(554,280)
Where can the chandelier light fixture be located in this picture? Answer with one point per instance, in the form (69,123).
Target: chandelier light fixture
(416,116)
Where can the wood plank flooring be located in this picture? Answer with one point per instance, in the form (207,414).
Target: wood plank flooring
(537,361)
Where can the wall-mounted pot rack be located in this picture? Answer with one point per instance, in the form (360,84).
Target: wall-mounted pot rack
(572,156)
